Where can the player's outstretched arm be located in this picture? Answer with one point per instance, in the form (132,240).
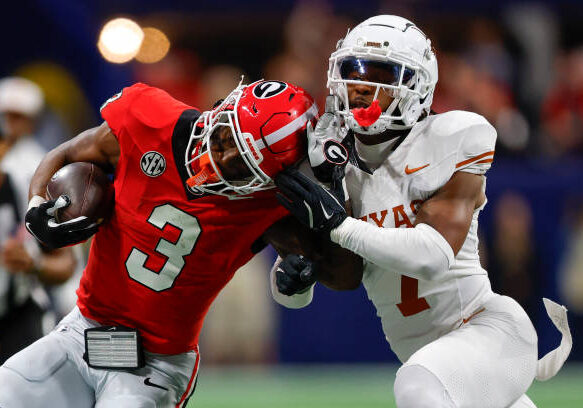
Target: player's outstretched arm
(426,251)
(96,145)
(337,268)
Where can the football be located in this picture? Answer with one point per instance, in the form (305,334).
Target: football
(88,188)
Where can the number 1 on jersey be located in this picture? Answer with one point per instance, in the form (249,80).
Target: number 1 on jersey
(411,303)
(175,252)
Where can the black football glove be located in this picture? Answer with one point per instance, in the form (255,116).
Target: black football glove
(313,205)
(325,148)
(40,222)
(295,274)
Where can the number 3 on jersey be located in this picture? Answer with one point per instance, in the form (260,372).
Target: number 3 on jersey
(175,252)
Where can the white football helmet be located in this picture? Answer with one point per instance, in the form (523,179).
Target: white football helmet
(396,47)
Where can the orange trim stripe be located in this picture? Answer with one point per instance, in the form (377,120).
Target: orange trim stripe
(474,315)
(189,387)
(477,312)
(471,160)
(485,161)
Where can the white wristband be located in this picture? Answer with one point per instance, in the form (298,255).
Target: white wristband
(296,301)
(35,202)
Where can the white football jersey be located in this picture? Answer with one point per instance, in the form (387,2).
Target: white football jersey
(414,312)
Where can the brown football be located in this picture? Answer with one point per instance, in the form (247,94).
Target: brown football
(88,188)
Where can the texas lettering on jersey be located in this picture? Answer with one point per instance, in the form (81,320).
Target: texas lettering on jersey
(414,312)
(400,216)
(165,253)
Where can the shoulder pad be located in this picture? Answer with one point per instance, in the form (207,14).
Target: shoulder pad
(140,107)
(470,135)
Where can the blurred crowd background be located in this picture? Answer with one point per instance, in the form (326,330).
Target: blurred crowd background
(519,64)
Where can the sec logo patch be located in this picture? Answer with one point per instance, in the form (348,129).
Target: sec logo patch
(153,164)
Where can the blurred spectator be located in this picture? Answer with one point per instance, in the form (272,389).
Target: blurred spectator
(486,51)
(64,295)
(461,86)
(571,271)
(178,74)
(13,336)
(240,326)
(534,28)
(512,259)
(21,101)
(562,112)
(67,110)
(310,34)
(479,79)
(23,266)
(218,81)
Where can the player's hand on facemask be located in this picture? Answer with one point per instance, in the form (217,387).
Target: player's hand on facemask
(295,274)
(325,149)
(313,205)
(40,222)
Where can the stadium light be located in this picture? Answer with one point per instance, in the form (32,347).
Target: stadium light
(120,40)
(154,47)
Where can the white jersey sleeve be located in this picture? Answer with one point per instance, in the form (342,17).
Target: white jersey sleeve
(476,151)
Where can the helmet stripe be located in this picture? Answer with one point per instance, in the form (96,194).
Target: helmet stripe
(288,129)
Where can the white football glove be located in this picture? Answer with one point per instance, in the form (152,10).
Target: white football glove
(325,149)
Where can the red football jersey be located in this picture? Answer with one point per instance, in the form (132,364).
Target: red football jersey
(164,255)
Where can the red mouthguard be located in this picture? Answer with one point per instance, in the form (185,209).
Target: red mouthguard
(367,116)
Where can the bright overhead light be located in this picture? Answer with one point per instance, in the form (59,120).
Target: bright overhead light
(120,40)
(154,47)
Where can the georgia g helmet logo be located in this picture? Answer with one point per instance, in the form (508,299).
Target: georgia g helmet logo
(335,152)
(268,89)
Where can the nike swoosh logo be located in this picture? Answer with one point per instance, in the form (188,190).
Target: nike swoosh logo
(326,215)
(151,384)
(310,215)
(411,171)
(32,233)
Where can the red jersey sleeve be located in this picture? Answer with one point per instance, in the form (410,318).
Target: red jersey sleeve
(139,109)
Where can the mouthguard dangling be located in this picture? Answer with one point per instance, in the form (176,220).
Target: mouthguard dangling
(367,116)
(204,172)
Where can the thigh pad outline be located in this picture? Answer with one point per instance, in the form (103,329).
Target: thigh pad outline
(38,361)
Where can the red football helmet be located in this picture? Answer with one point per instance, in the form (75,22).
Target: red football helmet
(267,120)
